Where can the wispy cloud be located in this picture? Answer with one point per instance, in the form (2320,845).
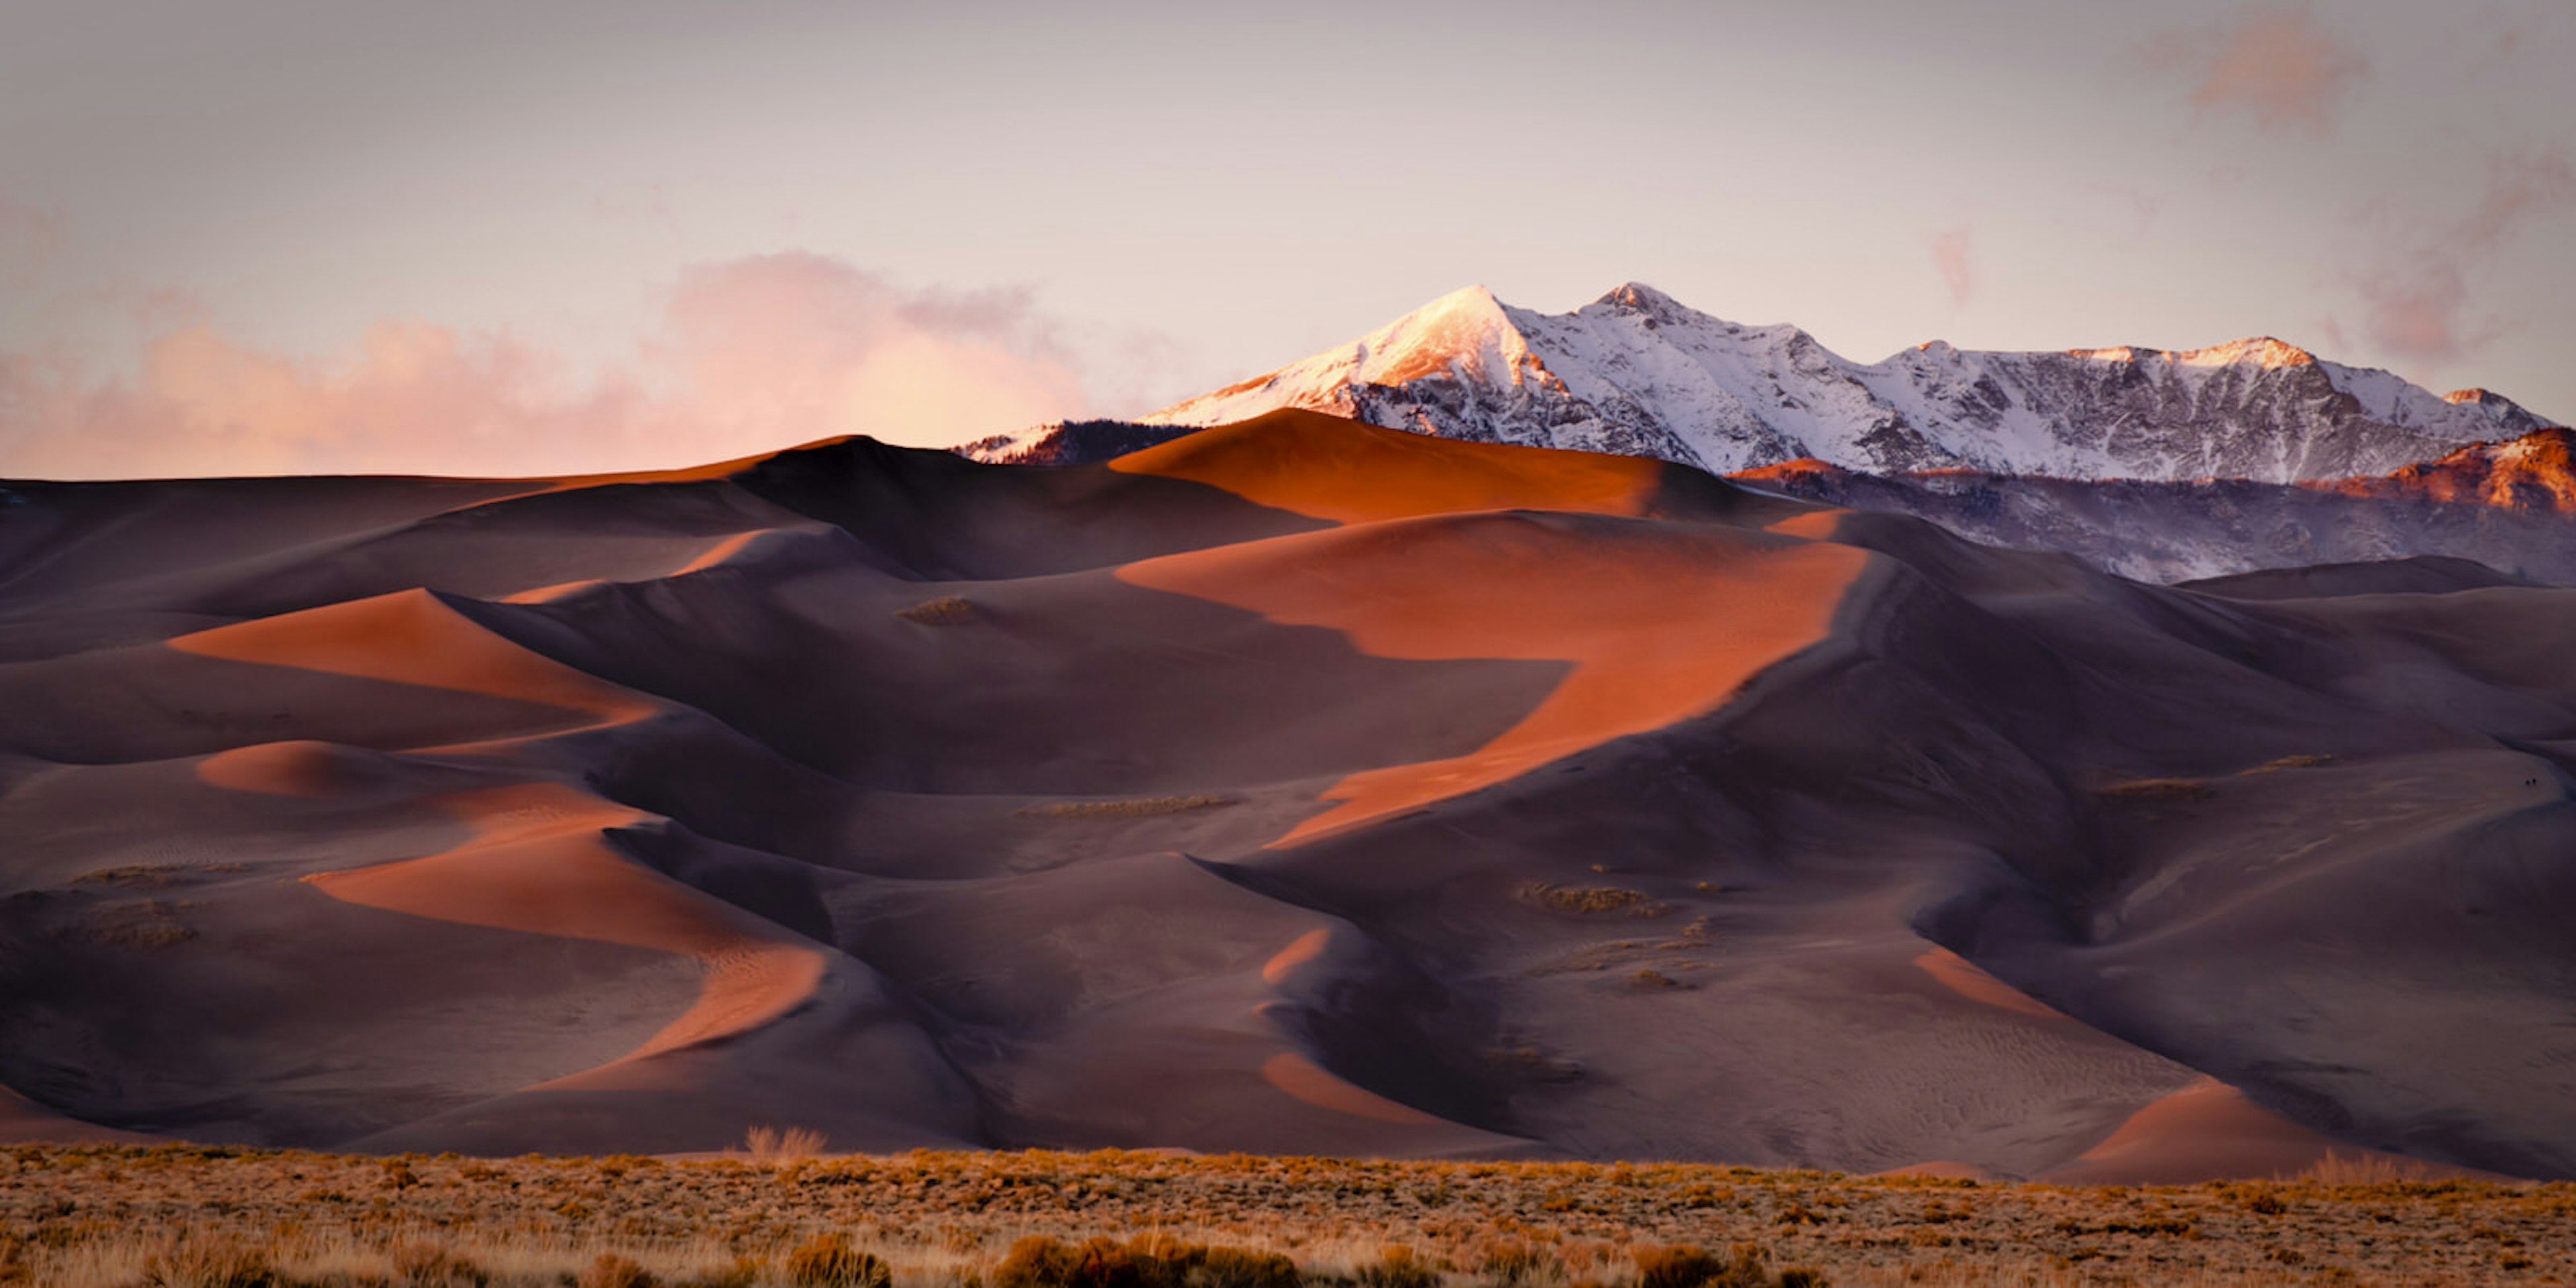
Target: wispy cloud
(747,356)
(2139,206)
(28,238)
(1953,254)
(2416,302)
(2273,62)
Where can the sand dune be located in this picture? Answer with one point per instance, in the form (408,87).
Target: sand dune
(1654,625)
(1963,977)
(1346,472)
(2211,1129)
(410,638)
(1292,786)
(23,1120)
(536,864)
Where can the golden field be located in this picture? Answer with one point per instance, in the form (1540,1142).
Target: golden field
(174,1216)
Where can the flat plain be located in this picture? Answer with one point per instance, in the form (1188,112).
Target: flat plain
(95,1216)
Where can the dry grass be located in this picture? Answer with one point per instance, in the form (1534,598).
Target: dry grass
(1593,900)
(157,876)
(2291,762)
(2362,1169)
(828,1261)
(1134,807)
(770,1146)
(121,1217)
(947,610)
(2160,789)
(146,925)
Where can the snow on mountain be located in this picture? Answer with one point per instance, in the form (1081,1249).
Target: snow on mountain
(2510,506)
(1069,442)
(2534,472)
(1637,373)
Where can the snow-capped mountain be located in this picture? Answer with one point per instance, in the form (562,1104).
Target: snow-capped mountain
(1070,442)
(2510,506)
(1636,373)
(2535,472)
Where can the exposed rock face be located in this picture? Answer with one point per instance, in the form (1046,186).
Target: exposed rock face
(2513,416)
(2163,466)
(2532,472)
(1637,373)
(2510,506)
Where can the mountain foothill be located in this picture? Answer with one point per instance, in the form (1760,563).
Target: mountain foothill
(1618,734)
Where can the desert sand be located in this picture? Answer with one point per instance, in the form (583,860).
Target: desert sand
(1295,786)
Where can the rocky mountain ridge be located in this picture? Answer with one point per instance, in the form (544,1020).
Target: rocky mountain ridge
(2505,505)
(2508,505)
(1637,373)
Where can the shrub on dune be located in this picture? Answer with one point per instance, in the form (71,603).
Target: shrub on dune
(211,1263)
(770,1145)
(1039,1262)
(1674,1266)
(1224,1267)
(744,1271)
(1686,1266)
(427,1265)
(1146,1261)
(614,1271)
(2160,789)
(1593,900)
(1397,1268)
(1512,1264)
(828,1261)
(947,610)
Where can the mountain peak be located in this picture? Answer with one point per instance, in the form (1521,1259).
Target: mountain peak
(1468,328)
(2487,400)
(1637,372)
(1478,300)
(2262,350)
(1637,297)
(2507,413)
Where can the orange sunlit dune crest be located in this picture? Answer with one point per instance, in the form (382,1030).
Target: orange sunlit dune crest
(963,648)
(2210,1127)
(538,863)
(1656,624)
(408,637)
(1305,1081)
(1348,472)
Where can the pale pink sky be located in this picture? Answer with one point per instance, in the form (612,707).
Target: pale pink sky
(272,236)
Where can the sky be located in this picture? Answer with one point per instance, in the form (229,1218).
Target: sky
(284,236)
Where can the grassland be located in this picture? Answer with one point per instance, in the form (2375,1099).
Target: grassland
(187,1216)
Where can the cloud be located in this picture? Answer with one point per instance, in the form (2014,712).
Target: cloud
(747,356)
(2331,329)
(2418,315)
(2138,204)
(2416,304)
(2273,61)
(1951,253)
(28,240)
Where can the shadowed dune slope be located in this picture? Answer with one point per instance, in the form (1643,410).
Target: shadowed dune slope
(1291,786)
